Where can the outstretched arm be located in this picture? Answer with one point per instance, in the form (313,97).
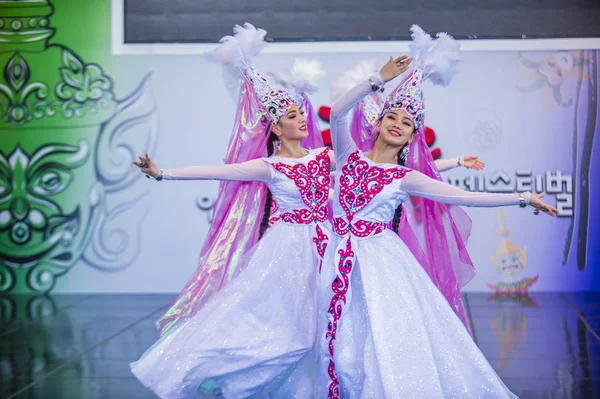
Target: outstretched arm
(468,161)
(253,170)
(417,184)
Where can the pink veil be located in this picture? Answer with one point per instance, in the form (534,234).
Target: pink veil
(239,207)
(237,214)
(437,233)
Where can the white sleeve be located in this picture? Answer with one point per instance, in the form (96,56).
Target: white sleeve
(446,164)
(254,170)
(332,161)
(338,119)
(418,185)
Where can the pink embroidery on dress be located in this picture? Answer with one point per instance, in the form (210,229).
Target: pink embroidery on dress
(313,181)
(320,240)
(275,216)
(359,228)
(359,184)
(340,287)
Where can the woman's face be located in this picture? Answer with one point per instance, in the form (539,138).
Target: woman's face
(396,128)
(292,125)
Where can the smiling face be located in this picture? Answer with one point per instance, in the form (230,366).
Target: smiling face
(292,126)
(396,128)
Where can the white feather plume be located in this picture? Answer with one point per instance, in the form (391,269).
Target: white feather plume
(307,75)
(304,76)
(250,39)
(437,57)
(350,78)
(235,52)
(421,42)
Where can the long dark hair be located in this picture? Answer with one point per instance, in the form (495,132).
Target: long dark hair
(398,213)
(264,224)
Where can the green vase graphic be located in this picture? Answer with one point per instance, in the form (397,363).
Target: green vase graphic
(66,144)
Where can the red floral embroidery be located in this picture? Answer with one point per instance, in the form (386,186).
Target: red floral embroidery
(301,216)
(313,181)
(340,287)
(360,228)
(320,240)
(359,184)
(275,216)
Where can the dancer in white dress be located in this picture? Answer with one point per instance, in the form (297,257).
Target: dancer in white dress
(435,233)
(387,331)
(255,336)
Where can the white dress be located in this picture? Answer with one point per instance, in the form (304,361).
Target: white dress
(255,337)
(386,331)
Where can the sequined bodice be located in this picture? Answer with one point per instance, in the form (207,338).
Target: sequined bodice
(366,190)
(301,186)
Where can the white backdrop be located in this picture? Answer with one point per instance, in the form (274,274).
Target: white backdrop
(483,112)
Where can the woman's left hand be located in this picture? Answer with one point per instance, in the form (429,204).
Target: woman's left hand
(147,166)
(472,162)
(536,202)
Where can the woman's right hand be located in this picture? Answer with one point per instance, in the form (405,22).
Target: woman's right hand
(147,166)
(394,67)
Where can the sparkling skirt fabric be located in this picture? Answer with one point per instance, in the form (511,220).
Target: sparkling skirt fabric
(397,336)
(255,338)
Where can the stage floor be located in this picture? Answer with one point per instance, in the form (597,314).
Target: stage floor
(80,346)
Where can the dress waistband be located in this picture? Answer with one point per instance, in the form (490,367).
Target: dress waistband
(359,227)
(304,216)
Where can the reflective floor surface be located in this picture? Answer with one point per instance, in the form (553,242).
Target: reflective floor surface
(80,346)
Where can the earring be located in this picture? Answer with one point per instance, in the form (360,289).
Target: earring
(404,153)
(277,145)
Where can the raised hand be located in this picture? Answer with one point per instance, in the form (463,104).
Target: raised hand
(394,67)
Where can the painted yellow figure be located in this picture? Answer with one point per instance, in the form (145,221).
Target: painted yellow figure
(509,261)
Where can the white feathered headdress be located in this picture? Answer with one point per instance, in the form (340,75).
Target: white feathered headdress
(434,60)
(235,54)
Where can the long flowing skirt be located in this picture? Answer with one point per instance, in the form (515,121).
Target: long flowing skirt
(255,338)
(397,337)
